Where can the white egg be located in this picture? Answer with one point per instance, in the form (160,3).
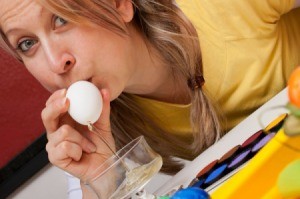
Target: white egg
(85,102)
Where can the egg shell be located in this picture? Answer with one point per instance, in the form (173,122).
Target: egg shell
(85,102)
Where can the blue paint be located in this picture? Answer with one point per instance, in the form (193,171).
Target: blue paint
(215,173)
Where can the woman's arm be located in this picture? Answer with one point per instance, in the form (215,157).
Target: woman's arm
(87,192)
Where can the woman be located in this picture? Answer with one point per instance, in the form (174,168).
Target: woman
(122,49)
(144,56)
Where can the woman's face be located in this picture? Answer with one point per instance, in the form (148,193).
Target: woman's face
(58,53)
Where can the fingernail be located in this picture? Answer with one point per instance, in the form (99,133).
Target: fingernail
(92,148)
(63,91)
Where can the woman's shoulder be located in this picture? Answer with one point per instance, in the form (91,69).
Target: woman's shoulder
(235,18)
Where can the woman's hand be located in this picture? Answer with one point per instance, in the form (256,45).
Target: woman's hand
(71,146)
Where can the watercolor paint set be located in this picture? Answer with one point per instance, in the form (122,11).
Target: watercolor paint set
(272,173)
(219,170)
(265,164)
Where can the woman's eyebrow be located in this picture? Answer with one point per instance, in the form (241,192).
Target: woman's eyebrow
(11,31)
(11,34)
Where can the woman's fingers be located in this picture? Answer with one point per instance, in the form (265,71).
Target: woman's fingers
(70,145)
(66,148)
(101,135)
(52,113)
(62,154)
(104,120)
(68,134)
(57,94)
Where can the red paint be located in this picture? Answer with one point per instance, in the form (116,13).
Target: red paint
(253,138)
(21,100)
(207,168)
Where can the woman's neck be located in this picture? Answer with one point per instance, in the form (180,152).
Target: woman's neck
(153,78)
(158,82)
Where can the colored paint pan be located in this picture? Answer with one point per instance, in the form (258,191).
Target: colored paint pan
(218,169)
(215,175)
(276,124)
(240,159)
(247,153)
(262,142)
(200,177)
(229,155)
(253,139)
(251,146)
(231,160)
(206,169)
(237,155)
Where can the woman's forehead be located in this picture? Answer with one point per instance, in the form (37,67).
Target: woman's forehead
(12,11)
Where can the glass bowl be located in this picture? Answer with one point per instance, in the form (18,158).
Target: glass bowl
(126,173)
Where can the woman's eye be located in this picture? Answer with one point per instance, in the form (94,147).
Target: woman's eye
(25,45)
(58,21)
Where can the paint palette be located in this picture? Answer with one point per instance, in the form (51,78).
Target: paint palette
(219,170)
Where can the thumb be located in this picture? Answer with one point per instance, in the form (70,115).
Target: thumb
(104,120)
(103,126)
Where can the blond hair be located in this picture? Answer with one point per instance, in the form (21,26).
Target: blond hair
(171,33)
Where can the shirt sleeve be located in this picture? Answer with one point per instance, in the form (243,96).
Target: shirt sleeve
(74,188)
(256,18)
(272,10)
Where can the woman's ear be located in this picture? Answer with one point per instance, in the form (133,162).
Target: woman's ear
(125,9)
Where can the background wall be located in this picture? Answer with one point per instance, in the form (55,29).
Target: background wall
(21,100)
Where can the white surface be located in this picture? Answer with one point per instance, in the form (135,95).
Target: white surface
(51,183)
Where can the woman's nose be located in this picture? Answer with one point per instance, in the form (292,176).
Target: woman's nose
(62,64)
(60,60)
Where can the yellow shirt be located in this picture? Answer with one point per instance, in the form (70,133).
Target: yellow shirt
(172,117)
(249,48)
